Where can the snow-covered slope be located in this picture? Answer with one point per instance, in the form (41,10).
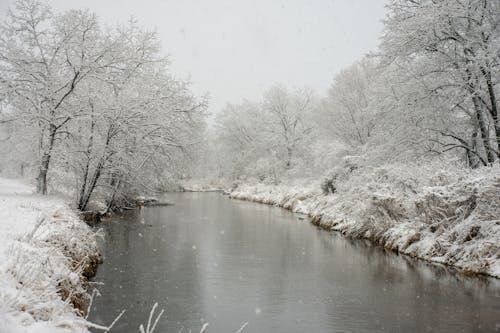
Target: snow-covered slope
(46,251)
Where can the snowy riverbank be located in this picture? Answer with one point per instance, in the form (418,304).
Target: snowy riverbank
(47,254)
(450,218)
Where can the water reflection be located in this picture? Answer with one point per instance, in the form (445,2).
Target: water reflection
(210,259)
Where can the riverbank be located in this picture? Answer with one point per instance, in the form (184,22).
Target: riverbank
(48,253)
(445,217)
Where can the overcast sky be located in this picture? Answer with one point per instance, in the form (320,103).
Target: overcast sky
(235,49)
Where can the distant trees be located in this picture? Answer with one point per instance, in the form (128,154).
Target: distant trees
(263,138)
(286,116)
(239,136)
(347,112)
(101,101)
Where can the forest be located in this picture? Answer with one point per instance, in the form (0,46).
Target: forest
(94,110)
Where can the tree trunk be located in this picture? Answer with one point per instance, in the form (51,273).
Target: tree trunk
(81,195)
(472,159)
(113,195)
(81,198)
(485,135)
(45,162)
(91,185)
(41,187)
(481,121)
(289,151)
(493,110)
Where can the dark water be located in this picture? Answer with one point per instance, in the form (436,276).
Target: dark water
(225,262)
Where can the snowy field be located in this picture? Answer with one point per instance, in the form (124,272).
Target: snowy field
(450,218)
(46,253)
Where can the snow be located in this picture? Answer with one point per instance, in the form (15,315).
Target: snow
(445,216)
(199,185)
(45,249)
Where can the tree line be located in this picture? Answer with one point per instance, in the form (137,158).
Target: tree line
(95,109)
(431,90)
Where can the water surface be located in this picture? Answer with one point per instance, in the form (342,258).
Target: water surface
(226,262)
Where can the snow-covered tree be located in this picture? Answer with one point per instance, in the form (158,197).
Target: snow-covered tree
(239,137)
(42,60)
(286,114)
(346,114)
(101,102)
(132,135)
(265,138)
(449,52)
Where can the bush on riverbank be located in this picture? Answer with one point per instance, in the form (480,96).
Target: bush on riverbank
(438,213)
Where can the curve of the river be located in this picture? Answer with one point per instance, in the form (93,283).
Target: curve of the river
(211,259)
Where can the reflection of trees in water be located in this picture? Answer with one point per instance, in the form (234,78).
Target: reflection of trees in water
(401,293)
(378,258)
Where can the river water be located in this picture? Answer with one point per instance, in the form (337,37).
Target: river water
(209,259)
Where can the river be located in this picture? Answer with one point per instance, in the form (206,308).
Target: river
(209,259)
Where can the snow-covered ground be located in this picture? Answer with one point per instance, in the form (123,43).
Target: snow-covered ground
(437,215)
(196,185)
(46,253)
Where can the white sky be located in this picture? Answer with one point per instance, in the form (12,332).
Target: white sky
(235,49)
